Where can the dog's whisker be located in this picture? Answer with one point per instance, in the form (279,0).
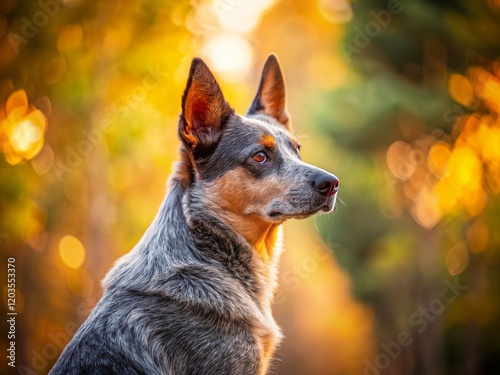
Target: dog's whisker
(315,225)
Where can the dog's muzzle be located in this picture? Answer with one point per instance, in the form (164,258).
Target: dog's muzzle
(326,184)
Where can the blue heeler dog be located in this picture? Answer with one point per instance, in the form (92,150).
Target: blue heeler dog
(194,296)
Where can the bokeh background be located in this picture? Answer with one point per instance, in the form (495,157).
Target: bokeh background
(400,99)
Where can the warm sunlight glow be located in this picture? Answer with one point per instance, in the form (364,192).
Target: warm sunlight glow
(44,160)
(461,89)
(457,258)
(478,236)
(69,37)
(22,129)
(397,155)
(25,134)
(240,16)
(460,176)
(71,251)
(439,155)
(230,55)
(336,11)
(426,210)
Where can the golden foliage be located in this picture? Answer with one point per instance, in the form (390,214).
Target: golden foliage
(22,128)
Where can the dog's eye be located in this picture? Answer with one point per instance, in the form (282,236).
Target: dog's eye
(260,157)
(297,150)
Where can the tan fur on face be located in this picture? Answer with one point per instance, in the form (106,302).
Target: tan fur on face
(242,200)
(183,169)
(268,141)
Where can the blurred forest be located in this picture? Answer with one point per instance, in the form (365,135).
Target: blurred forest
(399,98)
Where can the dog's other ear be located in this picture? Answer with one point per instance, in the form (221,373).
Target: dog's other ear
(204,109)
(270,99)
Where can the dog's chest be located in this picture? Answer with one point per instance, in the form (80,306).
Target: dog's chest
(267,336)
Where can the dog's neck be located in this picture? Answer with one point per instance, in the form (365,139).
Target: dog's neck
(249,253)
(262,236)
(183,171)
(185,231)
(264,239)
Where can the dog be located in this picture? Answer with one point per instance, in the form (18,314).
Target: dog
(194,295)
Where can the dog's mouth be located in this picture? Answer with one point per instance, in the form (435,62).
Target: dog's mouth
(280,216)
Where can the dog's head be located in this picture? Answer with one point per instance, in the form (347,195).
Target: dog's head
(249,166)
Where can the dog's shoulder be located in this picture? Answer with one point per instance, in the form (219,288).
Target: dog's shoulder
(206,287)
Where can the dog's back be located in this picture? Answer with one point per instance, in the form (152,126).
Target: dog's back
(194,296)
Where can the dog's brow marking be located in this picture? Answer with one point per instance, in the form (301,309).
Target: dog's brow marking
(268,141)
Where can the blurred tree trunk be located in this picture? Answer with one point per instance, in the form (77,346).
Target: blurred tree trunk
(430,342)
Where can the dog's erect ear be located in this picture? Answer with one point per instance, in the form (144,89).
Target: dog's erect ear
(270,99)
(204,109)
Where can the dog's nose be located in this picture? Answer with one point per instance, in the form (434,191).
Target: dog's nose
(326,184)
